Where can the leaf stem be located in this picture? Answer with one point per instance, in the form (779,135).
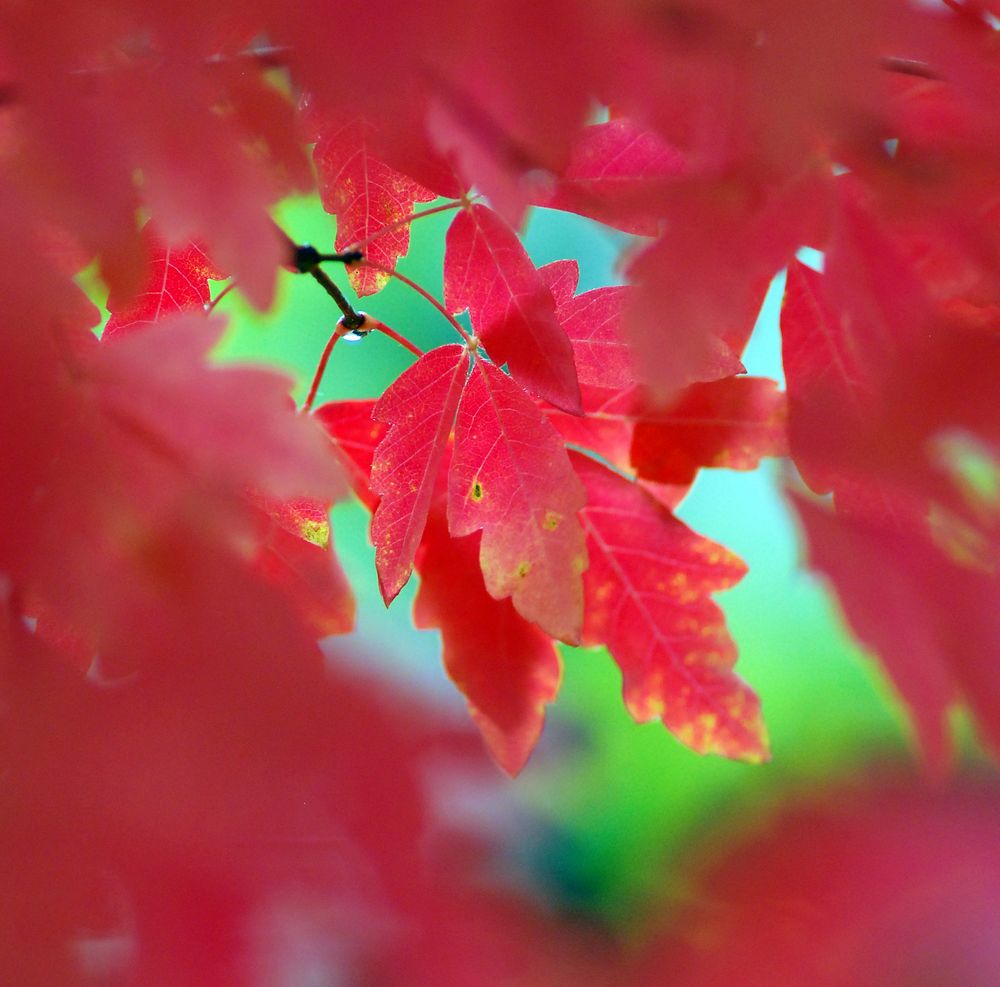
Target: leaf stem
(424,293)
(218,298)
(391,227)
(321,369)
(401,339)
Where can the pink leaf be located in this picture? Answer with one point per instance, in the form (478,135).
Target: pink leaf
(906,602)
(506,667)
(355,435)
(177,282)
(561,277)
(593,322)
(829,393)
(511,477)
(606,426)
(488,272)
(648,598)
(296,555)
(610,169)
(365,194)
(729,423)
(419,408)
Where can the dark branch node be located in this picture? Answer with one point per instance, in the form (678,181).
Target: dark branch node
(306,258)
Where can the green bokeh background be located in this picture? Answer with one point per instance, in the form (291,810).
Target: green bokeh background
(615,810)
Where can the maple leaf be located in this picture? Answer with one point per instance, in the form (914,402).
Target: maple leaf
(871,284)
(729,423)
(692,301)
(880,369)
(561,277)
(648,598)
(296,553)
(829,394)
(488,272)
(886,579)
(506,667)
(510,476)
(593,323)
(419,408)
(609,172)
(365,194)
(355,435)
(163,367)
(177,282)
(907,876)
(146,466)
(607,424)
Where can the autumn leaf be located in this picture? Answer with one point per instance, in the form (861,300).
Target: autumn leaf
(354,436)
(366,195)
(593,323)
(829,393)
(878,879)
(510,477)
(610,169)
(693,306)
(419,408)
(606,426)
(177,282)
(164,367)
(649,599)
(882,581)
(882,302)
(730,423)
(296,554)
(488,272)
(561,278)
(507,668)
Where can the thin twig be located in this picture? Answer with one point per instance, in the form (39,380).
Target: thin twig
(352,318)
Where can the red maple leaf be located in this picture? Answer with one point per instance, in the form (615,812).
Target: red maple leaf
(506,667)
(829,393)
(296,554)
(610,170)
(648,598)
(606,426)
(510,477)
(366,195)
(729,423)
(177,282)
(488,272)
(693,307)
(593,323)
(419,408)
(355,436)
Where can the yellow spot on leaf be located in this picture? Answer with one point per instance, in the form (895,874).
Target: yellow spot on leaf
(551,520)
(523,569)
(477,491)
(317,532)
